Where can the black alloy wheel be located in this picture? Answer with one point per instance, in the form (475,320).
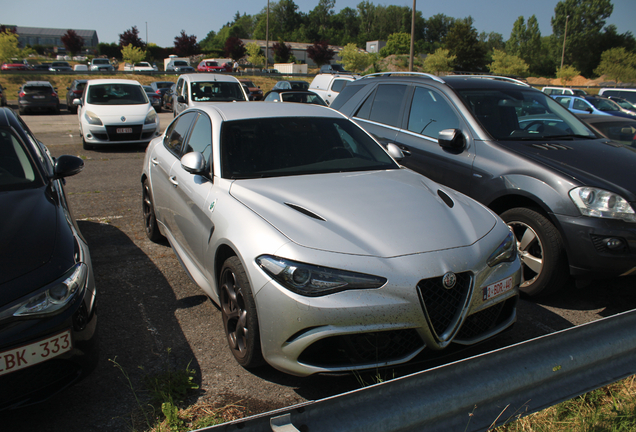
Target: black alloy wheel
(239,314)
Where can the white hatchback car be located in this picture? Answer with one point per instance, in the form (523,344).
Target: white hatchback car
(200,89)
(115,112)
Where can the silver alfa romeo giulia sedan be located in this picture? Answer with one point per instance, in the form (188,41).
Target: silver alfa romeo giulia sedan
(323,253)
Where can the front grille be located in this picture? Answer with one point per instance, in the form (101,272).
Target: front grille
(361,349)
(114,136)
(600,245)
(442,305)
(487,319)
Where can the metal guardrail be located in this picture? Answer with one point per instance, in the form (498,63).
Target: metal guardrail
(474,394)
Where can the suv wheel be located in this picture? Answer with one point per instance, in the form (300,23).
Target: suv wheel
(544,267)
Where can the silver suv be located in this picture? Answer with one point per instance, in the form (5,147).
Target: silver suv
(101,65)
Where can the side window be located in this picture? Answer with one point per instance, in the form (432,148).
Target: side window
(200,139)
(565,101)
(580,105)
(179,89)
(430,113)
(383,105)
(177,131)
(338,85)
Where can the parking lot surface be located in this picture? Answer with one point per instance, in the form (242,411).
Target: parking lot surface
(152,317)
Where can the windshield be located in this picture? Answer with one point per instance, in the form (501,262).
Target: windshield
(180,63)
(522,115)
(16,168)
(303,98)
(216,91)
(101,61)
(603,104)
(116,94)
(286,146)
(211,63)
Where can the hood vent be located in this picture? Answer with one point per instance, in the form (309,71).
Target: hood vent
(547,146)
(447,200)
(305,211)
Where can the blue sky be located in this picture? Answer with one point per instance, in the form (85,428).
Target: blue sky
(165,19)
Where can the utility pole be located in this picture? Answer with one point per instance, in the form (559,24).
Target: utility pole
(565,35)
(146,33)
(412,39)
(267,39)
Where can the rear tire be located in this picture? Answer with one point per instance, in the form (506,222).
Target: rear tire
(238,310)
(544,264)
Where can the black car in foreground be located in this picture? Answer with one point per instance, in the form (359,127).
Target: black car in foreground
(47,289)
(568,194)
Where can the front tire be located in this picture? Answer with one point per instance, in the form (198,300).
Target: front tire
(544,266)
(240,320)
(150,221)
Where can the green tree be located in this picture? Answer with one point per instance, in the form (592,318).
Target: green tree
(463,42)
(585,19)
(440,61)
(566,73)
(132,54)
(254,54)
(398,43)
(618,64)
(507,64)
(8,46)
(525,42)
(436,29)
(353,59)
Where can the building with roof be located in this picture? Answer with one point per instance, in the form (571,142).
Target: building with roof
(52,37)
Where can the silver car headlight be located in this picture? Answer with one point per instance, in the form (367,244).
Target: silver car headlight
(313,281)
(151,117)
(602,204)
(54,297)
(505,252)
(92,118)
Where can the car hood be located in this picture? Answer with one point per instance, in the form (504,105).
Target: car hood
(598,162)
(379,213)
(112,114)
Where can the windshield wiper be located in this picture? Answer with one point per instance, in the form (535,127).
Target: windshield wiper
(565,136)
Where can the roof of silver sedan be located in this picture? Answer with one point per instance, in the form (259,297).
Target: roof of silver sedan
(245,110)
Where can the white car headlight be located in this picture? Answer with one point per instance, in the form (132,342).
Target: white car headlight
(313,281)
(602,204)
(151,117)
(505,252)
(92,118)
(52,298)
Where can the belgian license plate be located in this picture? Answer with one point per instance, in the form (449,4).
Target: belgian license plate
(497,288)
(124,130)
(37,352)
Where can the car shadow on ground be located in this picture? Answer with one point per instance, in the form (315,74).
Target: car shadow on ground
(139,336)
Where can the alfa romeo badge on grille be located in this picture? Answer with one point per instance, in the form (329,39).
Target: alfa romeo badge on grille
(449,280)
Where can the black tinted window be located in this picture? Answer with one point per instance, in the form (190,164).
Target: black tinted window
(177,131)
(430,113)
(338,85)
(384,105)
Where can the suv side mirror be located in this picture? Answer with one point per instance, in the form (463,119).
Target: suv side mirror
(452,139)
(193,163)
(395,152)
(181,99)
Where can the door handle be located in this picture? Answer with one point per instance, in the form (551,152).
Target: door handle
(154,161)
(173,180)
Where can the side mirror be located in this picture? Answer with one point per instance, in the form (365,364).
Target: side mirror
(193,163)
(66,166)
(452,139)
(395,152)
(77,102)
(181,99)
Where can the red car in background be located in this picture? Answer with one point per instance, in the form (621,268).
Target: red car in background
(211,65)
(13,66)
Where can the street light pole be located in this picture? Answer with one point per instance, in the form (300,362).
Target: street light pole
(565,35)
(412,39)
(267,38)
(146,33)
